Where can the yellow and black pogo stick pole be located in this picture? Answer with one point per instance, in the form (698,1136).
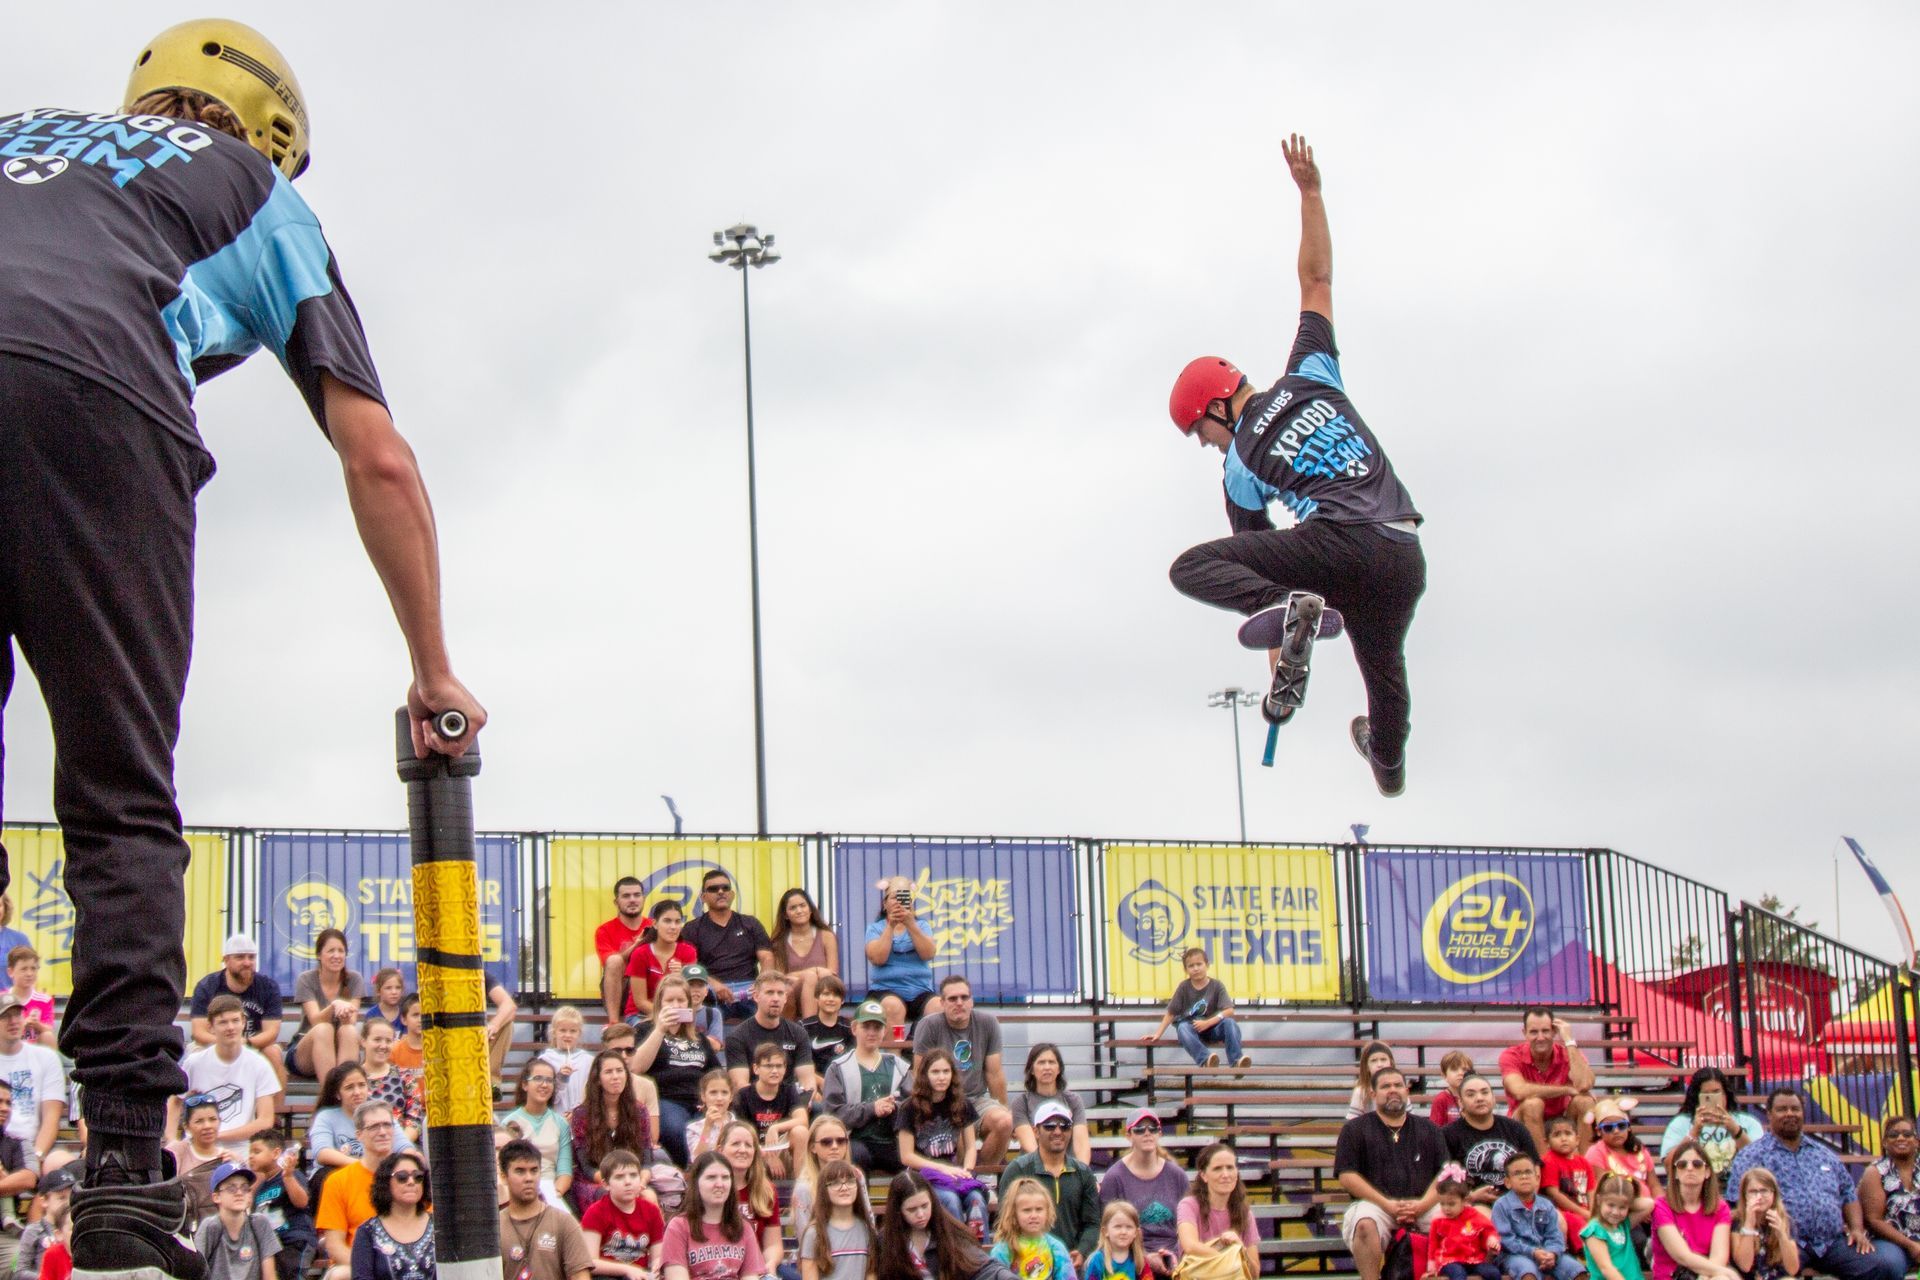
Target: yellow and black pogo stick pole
(453,1003)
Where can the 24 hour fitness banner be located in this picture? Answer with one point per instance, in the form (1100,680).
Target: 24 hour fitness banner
(1004,913)
(43,912)
(583,869)
(1477,928)
(1268,918)
(362,885)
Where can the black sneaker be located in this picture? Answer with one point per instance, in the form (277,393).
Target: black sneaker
(126,1227)
(1391,779)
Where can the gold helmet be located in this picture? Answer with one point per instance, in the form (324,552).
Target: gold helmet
(234,63)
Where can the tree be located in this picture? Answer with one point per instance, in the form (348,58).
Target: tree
(1782,937)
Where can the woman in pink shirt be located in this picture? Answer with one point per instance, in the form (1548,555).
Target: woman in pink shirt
(1692,1226)
(1214,1211)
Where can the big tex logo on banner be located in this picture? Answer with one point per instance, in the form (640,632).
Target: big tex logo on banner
(1268,920)
(1477,927)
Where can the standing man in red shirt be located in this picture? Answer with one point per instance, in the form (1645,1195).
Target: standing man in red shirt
(615,940)
(1546,1076)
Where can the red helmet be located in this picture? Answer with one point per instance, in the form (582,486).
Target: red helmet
(1201,383)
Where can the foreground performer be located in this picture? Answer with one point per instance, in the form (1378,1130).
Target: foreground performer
(141,252)
(1354,545)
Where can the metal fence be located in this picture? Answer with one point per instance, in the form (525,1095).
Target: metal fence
(1660,951)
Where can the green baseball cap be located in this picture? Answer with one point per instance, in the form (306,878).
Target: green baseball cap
(870,1011)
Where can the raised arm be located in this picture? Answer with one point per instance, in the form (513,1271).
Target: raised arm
(1316,242)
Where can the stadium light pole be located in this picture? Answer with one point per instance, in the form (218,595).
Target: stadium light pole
(1234,699)
(741,246)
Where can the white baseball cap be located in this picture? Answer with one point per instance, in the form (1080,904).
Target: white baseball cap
(239,944)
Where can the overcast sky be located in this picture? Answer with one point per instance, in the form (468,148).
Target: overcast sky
(1626,293)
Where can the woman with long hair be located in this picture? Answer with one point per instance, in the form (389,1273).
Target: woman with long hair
(1763,1244)
(1153,1185)
(1047,1082)
(921,1241)
(397,1242)
(1706,1116)
(740,1146)
(660,954)
(676,1056)
(842,1236)
(329,996)
(937,1131)
(398,1087)
(827,1141)
(1889,1191)
(710,1224)
(1692,1228)
(805,949)
(610,1118)
(1214,1212)
(331,1137)
(1374,1056)
(534,1118)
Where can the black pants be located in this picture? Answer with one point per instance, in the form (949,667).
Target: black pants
(1372,574)
(883,1158)
(96,587)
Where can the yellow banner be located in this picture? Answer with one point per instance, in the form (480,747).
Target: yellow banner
(1268,920)
(585,867)
(43,911)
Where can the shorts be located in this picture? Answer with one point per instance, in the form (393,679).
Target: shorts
(986,1103)
(916,1005)
(1367,1211)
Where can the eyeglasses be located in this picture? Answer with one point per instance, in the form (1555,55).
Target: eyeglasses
(546,1080)
(1690,1164)
(409,1175)
(1613,1126)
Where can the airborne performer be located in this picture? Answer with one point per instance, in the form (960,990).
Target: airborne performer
(1354,544)
(142,252)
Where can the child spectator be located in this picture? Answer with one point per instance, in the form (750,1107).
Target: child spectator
(1120,1255)
(236,1242)
(624,1230)
(840,1241)
(1374,1056)
(1763,1244)
(716,1100)
(410,1050)
(1533,1239)
(1617,1149)
(199,1153)
(1454,1067)
(280,1195)
(1024,1238)
(1461,1241)
(1610,1250)
(234,1072)
(23,968)
(711,1227)
(55,1196)
(709,1019)
(936,1131)
(1565,1176)
(389,1001)
(1201,1012)
(830,1034)
(568,1060)
(775,1107)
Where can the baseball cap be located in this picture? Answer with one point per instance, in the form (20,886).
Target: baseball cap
(9,1003)
(870,1011)
(1139,1117)
(239,944)
(695,973)
(60,1179)
(227,1169)
(1051,1111)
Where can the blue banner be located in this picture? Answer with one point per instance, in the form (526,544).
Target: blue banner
(1005,914)
(362,885)
(1473,928)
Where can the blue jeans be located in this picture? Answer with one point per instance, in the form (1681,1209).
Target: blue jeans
(1225,1033)
(1461,1271)
(1565,1267)
(969,1208)
(1888,1261)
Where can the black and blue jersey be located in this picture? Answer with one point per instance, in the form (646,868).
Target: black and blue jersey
(147,255)
(1301,443)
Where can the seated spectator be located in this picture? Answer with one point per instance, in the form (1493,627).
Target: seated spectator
(1069,1184)
(1374,1055)
(1706,1117)
(612,1117)
(765,1026)
(1617,1149)
(1533,1237)
(396,1243)
(537,1239)
(1692,1227)
(1461,1241)
(333,1135)
(236,1242)
(676,1056)
(1201,1013)
(389,993)
(197,1155)
(1027,1237)
(499,1024)
(53,1200)
(936,1131)
(281,1194)
(1611,1251)
(533,1117)
(241,1079)
(1546,1075)
(734,947)
(805,949)
(920,1239)
(1889,1193)
(1819,1196)
(1152,1184)
(615,941)
(1213,1216)
(1455,1066)
(759,1205)
(841,1242)
(864,1089)
(1046,1078)
(329,996)
(618,1035)
(17,1177)
(708,1017)
(1120,1252)
(346,1198)
(973,1038)
(1481,1141)
(398,1087)
(716,1113)
(410,1050)
(39,1087)
(899,955)
(23,970)
(1566,1178)
(624,1230)
(827,1141)
(568,1060)
(830,1034)
(775,1107)
(239,975)
(662,951)
(1388,1161)
(1763,1246)
(711,1229)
